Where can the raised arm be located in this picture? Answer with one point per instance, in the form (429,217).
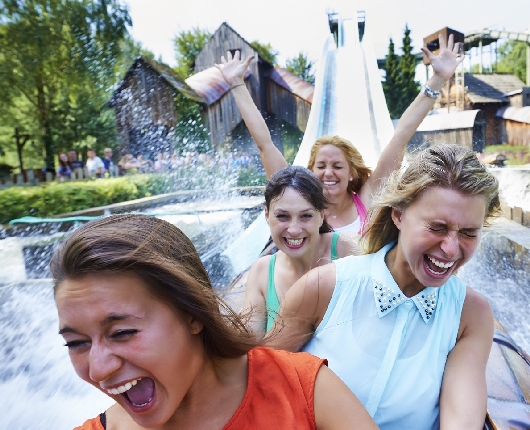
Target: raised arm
(302,309)
(336,407)
(233,70)
(464,394)
(444,65)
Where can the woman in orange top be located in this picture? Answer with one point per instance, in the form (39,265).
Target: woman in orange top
(143,325)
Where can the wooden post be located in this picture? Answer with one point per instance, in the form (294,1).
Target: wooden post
(528,64)
(480,51)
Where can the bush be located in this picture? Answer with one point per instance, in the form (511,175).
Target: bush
(516,155)
(63,197)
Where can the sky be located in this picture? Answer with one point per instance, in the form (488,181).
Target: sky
(291,26)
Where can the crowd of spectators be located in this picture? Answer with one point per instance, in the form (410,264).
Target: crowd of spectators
(97,167)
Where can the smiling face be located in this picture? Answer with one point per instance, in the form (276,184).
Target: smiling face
(294,223)
(332,169)
(130,345)
(438,233)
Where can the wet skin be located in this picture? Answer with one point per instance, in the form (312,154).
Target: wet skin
(292,218)
(117,332)
(333,170)
(438,233)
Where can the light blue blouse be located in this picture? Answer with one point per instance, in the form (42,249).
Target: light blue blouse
(389,349)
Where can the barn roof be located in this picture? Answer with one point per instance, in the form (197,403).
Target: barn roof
(166,72)
(293,83)
(210,84)
(448,121)
(519,114)
(490,88)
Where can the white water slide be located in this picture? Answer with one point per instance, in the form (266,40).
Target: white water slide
(348,101)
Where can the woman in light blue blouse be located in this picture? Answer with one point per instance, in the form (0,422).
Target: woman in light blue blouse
(405,334)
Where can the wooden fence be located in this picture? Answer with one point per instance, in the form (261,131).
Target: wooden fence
(32,177)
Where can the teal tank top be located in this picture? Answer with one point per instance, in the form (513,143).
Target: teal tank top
(271,302)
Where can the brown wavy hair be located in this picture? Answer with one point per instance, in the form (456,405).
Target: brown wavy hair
(360,172)
(166,261)
(305,183)
(446,166)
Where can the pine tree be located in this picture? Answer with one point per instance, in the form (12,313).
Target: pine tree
(390,86)
(408,87)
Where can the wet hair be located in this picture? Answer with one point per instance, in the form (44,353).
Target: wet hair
(304,182)
(446,166)
(358,169)
(166,261)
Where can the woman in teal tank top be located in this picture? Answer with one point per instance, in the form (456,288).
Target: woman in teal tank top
(397,326)
(294,209)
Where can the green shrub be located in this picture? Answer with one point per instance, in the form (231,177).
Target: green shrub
(250,178)
(516,155)
(63,197)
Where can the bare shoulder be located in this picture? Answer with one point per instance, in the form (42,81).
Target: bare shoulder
(476,314)
(348,244)
(259,275)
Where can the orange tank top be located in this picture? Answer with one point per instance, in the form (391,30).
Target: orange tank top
(280,392)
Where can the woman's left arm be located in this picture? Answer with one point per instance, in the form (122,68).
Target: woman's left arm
(464,395)
(444,65)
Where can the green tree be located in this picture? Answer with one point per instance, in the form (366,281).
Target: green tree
(406,84)
(187,45)
(512,59)
(58,56)
(390,86)
(301,66)
(266,51)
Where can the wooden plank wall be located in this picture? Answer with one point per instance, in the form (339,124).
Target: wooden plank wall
(145,99)
(515,133)
(225,39)
(287,106)
(421,139)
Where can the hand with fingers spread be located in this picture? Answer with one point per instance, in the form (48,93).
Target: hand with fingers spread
(233,68)
(445,63)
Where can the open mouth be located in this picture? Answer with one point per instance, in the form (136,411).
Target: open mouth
(294,243)
(330,183)
(435,267)
(139,394)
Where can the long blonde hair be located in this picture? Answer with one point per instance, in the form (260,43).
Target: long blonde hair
(355,160)
(447,166)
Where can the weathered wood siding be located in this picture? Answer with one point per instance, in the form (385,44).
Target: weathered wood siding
(423,139)
(145,101)
(287,106)
(515,133)
(226,39)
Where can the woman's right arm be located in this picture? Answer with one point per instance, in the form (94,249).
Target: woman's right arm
(233,71)
(336,407)
(255,291)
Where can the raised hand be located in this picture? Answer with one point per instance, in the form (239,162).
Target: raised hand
(445,63)
(233,69)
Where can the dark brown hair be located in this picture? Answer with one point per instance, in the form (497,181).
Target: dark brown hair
(304,182)
(358,169)
(166,261)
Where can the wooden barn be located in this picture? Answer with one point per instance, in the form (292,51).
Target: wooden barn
(486,92)
(466,128)
(515,119)
(145,113)
(278,94)
(144,106)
